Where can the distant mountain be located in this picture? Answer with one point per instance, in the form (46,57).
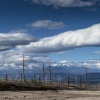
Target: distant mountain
(93,77)
(59,71)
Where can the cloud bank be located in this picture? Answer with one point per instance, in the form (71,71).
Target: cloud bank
(65,41)
(49,24)
(94,64)
(13,59)
(64,3)
(10,40)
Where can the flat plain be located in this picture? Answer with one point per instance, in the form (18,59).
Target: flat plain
(50,95)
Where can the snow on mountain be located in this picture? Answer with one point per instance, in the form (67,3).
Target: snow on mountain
(61,66)
(76,67)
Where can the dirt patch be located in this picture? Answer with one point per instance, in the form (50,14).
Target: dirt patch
(50,95)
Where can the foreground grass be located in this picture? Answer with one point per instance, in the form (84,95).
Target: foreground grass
(27,86)
(21,86)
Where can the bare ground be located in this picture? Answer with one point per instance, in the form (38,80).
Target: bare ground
(50,95)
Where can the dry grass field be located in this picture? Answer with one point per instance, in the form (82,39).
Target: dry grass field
(36,91)
(50,95)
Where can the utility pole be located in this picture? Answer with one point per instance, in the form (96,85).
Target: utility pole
(85,76)
(34,75)
(80,81)
(68,78)
(50,77)
(23,75)
(43,72)
(39,78)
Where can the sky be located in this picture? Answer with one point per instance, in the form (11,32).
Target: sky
(49,30)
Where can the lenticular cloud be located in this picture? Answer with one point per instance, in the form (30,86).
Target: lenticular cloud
(65,41)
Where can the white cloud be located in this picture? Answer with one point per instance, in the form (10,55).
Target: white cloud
(19,31)
(47,24)
(92,64)
(14,59)
(12,39)
(65,41)
(64,3)
(91,9)
(61,52)
(96,52)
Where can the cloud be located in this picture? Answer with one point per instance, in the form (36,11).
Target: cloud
(91,64)
(3,48)
(65,41)
(63,3)
(13,59)
(47,24)
(96,52)
(91,9)
(13,39)
(19,31)
(94,63)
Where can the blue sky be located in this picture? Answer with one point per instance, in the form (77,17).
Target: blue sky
(29,17)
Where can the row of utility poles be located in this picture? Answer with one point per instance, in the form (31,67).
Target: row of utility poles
(80,77)
(49,73)
(43,72)
(22,74)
